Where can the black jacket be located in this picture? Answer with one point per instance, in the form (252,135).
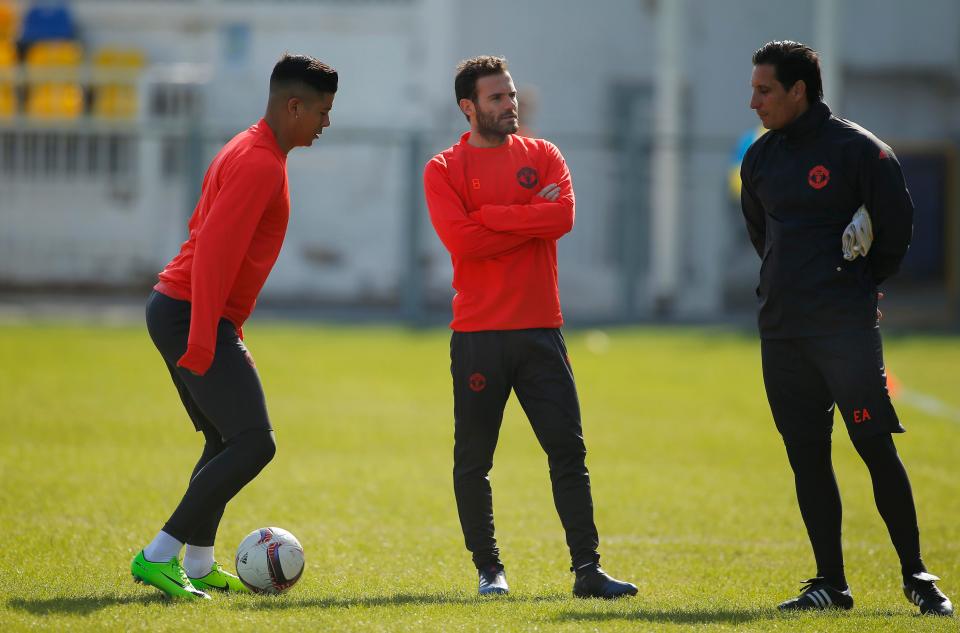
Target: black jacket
(801,186)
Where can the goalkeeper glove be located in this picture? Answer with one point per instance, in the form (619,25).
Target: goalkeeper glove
(858,236)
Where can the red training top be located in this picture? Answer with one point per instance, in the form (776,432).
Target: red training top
(501,235)
(236,232)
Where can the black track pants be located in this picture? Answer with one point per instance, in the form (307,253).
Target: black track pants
(805,380)
(485,367)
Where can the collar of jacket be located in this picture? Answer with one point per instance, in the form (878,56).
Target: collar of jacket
(807,123)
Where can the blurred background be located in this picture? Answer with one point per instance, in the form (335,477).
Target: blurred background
(110,111)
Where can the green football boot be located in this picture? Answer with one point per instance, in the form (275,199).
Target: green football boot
(168,577)
(220,580)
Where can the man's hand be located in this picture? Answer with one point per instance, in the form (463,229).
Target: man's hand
(551,192)
(858,236)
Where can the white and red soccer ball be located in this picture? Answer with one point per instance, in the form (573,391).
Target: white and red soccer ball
(269,560)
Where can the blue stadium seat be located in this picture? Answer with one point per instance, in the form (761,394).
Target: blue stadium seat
(47,21)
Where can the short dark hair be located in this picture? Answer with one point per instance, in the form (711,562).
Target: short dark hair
(793,61)
(291,70)
(469,70)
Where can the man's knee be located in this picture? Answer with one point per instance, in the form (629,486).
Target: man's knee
(267,447)
(469,469)
(472,457)
(259,446)
(567,456)
(568,444)
(877,449)
(808,452)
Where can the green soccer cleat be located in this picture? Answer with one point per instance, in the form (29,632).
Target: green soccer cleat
(220,580)
(168,577)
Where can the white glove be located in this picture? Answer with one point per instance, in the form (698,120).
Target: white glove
(858,236)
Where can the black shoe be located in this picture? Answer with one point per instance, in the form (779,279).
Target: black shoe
(818,594)
(921,591)
(593,582)
(493,581)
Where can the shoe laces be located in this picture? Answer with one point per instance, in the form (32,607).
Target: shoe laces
(928,590)
(812,583)
(178,569)
(820,582)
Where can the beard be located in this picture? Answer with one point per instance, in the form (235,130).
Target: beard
(494,127)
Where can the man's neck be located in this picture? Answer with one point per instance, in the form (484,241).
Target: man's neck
(478,139)
(803,108)
(282,142)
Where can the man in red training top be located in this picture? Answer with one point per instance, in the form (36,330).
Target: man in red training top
(499,203)
(196,311)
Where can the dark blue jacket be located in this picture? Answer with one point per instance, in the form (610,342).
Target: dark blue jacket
(801,186)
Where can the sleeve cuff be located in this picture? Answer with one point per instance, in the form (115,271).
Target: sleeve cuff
(196,359)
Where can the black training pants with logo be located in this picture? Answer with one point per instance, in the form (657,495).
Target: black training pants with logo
(227,405)
(806,379)
(533,363)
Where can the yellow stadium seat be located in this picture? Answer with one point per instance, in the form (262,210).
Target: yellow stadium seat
(115,101)
(8,61)
(55,101)
(55,53)
(53,90)
(8,53)
(8,101)
(9,21)
(117,69)
(8,94)
(115,57)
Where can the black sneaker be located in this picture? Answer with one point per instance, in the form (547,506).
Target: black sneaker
(921,591)
(593,582)
(818,594)
(493,581)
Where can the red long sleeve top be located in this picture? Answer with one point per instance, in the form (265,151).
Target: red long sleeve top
(236,232)
(501,235)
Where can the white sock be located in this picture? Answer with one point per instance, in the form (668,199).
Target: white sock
(198,561)
(162,548)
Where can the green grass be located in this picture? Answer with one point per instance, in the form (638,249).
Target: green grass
(694,499)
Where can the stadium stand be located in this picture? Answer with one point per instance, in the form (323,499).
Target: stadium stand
(47,74)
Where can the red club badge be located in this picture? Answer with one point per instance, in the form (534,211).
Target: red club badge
(818,177)
(477,382)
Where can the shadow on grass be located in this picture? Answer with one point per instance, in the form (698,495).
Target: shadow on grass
(396,600)
(84,605)
(676,616)
(722,616)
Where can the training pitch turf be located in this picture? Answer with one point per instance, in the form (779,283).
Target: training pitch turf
(694,499)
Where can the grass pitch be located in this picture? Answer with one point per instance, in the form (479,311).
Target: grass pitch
(694,498)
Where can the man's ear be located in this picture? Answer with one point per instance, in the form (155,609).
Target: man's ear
(468,107)
(294,104)
(799,89)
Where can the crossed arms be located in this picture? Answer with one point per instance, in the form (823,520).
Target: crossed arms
(494,229)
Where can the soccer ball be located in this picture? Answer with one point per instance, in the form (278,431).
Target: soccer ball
(270,560)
